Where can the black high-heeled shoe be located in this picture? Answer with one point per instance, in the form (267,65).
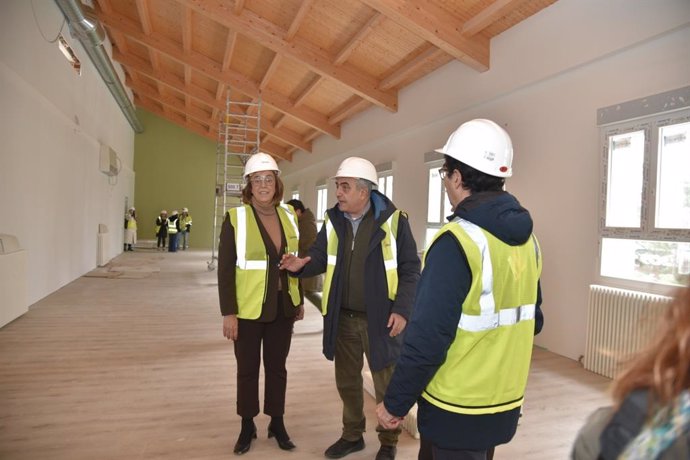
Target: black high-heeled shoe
(244,441)
(277,429)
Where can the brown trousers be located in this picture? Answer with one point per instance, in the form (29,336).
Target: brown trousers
(276,337)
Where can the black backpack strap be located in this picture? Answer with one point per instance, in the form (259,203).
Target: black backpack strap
(625,425)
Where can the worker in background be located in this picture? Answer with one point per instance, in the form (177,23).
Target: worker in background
(173,224)
(370,258)
(130,229)
(307,236)
(259,303)
(468,347)
(185,227)
(161,230)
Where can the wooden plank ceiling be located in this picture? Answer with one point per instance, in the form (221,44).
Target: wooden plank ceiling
(313,63)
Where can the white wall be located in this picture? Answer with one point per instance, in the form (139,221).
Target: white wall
(52,193)
(548,77)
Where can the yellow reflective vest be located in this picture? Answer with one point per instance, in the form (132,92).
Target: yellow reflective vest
(389,249)
(487,364)
(251,267)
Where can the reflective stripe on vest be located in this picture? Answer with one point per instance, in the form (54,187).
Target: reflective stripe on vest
(251,267)
(172,228)
(389,250)
(496,324)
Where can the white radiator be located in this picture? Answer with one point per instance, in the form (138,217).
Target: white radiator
(621,322)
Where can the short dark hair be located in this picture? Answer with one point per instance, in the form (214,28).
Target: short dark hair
(297,204)
(473,179)
(277,196)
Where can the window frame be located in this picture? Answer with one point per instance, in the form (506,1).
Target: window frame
(434,161)
(650,125)
(321,203)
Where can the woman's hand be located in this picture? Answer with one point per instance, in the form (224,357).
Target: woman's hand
(300,313)
(230,327)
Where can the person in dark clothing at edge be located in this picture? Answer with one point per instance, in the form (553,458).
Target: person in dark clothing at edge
(307,235)
(370,258)
(467,350)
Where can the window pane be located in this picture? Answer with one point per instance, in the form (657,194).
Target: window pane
(389,187)
(663,262)
(321,203)
(673,178)
(430,233)
(624,192)
(382,185)
(434,200)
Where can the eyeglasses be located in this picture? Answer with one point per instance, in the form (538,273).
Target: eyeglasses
(443,172)
(258,180)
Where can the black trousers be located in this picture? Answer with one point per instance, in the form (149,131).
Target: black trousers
(275,337)
(429,451)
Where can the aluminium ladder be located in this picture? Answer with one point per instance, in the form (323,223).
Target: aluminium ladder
(238,138)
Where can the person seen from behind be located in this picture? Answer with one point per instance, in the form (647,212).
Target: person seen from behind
(307,236)
(467,351)
(259,302)
(650,417)
(173,224)
(370,258)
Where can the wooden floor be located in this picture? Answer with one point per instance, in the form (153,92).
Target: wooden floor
(131,364)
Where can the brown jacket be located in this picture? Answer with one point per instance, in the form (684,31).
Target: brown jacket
(227,258)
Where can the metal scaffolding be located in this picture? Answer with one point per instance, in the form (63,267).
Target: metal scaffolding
(238,138)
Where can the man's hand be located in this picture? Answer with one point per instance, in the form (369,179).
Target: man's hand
(292,263)
(396,323)
(230,327)
(386,420)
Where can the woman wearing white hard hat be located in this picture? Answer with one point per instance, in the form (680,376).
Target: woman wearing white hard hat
(259,302)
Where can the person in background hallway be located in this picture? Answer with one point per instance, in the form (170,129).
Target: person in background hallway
(161,230)
(468,347)
(650,418)
(185,227)
(259,303)
(130,229)
(307,235)
(173,224)
(370,258)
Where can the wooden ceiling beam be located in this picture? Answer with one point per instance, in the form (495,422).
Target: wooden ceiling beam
(308,90)
(359,37)
(298,19)
(353,105)
(270,35)
(438,26)
(270,71)
(144,16)
(229,50)
(284,134)
(230,77)
(239,6)
(489,15)
(403,71)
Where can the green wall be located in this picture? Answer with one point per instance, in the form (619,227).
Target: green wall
(174,168)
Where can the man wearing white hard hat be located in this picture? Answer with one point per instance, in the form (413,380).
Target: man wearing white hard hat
(173,225)
(468,347)
(259,302)
(370,258)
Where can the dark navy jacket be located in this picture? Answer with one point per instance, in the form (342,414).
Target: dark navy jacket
(442,288)
(384,350)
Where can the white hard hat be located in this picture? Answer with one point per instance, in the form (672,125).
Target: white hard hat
(185,210)
(132,209)
(483,145)
(164,212)
(260,162)
(358,168)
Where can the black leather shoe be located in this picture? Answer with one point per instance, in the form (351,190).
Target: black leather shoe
(386,453)
(282,438)
(244,442)
(343,447)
